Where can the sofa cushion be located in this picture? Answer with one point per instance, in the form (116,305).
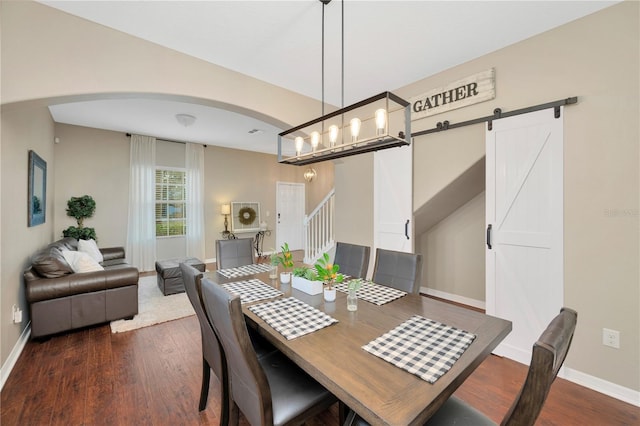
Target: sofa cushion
(81,262)
(91,248)
(49,263)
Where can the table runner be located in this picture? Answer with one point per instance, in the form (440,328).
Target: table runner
(422,347)
(373,293)
(252,290)
(291,317)
(243,270)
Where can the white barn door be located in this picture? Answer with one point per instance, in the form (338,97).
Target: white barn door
(524,215)
(393,199)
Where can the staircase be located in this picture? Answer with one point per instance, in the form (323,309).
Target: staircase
(318,229)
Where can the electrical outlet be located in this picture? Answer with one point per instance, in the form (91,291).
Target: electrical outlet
(611,338)
(16,314)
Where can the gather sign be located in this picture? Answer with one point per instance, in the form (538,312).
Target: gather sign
(471,90)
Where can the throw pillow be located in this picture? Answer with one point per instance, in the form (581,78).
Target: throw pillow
(81,262)
(91,248)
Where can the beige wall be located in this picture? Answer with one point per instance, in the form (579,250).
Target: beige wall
(453,252)
(595,58)
(96,163)
(22,130)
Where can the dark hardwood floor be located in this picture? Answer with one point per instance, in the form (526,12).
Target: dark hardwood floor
(151,376)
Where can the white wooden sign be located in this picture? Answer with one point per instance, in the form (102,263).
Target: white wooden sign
(467,91)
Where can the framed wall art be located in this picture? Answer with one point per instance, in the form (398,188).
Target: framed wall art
(37,192)
(245,217)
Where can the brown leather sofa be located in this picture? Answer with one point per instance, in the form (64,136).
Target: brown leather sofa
(62,300)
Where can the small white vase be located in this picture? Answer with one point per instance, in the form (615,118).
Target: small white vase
(285,277)
(330,295)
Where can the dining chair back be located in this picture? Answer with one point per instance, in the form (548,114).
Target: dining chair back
(270,390)
(398,270)
(353,259)
(212,355)
(233,253)
(548,355)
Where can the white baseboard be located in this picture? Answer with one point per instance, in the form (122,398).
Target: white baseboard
(627,395)
(14,355)
(453,297)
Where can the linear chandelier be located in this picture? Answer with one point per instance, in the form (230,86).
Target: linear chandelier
(380,122)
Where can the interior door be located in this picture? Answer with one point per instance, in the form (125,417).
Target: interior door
(524,215)
(290,215)
(393,199)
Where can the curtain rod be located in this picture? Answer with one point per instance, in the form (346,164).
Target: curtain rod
(497,114)
(168,140)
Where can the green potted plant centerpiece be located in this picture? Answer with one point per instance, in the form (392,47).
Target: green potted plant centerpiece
(306,279)
(327,272)
(285,258)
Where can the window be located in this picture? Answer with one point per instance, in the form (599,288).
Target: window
(171,218)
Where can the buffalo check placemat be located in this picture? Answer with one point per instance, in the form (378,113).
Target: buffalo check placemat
(252,290)
(291,317)
(422,347)
(241,271)
(374,293)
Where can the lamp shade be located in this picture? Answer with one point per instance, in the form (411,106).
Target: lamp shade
(225,209)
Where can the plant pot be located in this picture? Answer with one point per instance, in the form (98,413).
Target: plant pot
(307,286)
(329,295)
(285,277)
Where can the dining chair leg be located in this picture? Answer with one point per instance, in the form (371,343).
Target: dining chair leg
(206,378)
(342,412)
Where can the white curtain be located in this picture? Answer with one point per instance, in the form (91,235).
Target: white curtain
(141,232)
(194,163)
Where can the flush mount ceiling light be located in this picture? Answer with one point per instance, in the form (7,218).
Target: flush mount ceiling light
(185,119)
(379,122)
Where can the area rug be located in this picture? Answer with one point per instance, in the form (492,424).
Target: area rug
(154,307)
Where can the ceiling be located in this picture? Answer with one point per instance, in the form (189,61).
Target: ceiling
(387,45)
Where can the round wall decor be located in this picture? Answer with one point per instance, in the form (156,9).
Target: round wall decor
(246,215)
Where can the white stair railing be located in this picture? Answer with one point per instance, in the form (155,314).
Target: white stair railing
(318,229)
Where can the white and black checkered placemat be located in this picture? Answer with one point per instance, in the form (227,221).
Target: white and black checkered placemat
(422,347)
(374,293)
(241,271)
(291,317)
(252,290)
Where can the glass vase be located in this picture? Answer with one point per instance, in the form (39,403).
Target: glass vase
(352,300)
(273,272)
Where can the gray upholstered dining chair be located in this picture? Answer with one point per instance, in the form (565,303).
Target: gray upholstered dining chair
(353,259)
(270,390)
(398,269)
(233,253)
(548,355)
(212,352)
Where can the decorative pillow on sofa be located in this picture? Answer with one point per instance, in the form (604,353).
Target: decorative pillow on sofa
(81,262)
(91,248)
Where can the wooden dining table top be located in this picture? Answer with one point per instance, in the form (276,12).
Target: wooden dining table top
(378,391)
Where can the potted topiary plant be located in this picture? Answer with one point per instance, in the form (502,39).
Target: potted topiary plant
(80,208)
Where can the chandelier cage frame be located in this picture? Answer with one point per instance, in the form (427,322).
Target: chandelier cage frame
(396,132)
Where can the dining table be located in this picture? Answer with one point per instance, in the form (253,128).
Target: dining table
(334,354)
